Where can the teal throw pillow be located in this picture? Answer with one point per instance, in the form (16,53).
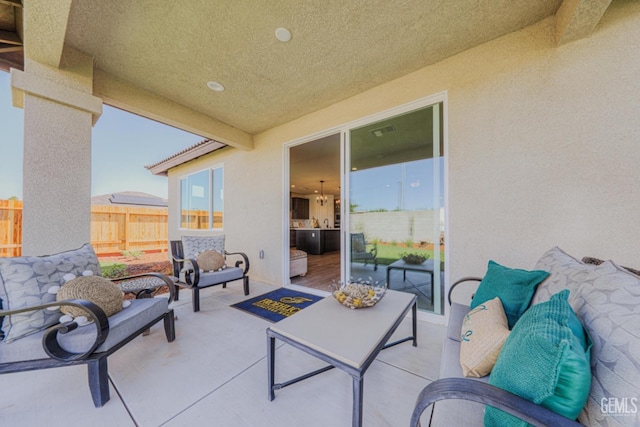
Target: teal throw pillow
(545,359)
(513,286)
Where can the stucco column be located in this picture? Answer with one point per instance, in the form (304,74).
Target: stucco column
(59,112)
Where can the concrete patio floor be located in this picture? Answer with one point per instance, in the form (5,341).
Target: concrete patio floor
(215,374)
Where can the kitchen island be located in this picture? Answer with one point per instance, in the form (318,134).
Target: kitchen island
(317,241)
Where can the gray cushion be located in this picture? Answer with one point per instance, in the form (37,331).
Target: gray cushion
(456,317)
(25,281)
(565,272)
(121,325)
(27,348)
(215,277)
(193,245)
(453,412)
(607,300)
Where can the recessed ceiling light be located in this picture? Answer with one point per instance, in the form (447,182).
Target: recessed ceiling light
(354,168)
(283,34)
(215,86)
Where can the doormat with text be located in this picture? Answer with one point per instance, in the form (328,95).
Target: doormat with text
(277,305)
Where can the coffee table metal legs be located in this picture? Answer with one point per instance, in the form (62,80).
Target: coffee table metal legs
(358,389)
(404,269)
(271,362)
(357,375)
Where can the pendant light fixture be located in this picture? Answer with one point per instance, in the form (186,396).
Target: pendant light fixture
(321,199)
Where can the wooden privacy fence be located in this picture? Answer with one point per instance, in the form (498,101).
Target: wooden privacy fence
(199,219)
(113,229)
(10,228)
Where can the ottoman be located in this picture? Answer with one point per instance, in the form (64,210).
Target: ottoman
(297,262)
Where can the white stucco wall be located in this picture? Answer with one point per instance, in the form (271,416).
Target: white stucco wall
(544,148)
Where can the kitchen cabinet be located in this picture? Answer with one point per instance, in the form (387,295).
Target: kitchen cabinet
(317,241)
(299,208)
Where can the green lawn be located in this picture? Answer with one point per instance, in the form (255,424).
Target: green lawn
(389,253)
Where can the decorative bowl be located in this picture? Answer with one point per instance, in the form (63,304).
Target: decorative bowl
(414,258)
(358,295)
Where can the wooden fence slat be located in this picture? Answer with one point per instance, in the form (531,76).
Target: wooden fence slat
(10,228)
(113,229)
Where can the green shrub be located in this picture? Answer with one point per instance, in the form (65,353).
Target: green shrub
(409,243)
(112,271)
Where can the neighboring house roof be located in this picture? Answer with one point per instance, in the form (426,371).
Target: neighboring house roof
(130,198)
(200,149)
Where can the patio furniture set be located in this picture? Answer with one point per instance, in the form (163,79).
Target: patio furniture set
(41,330)
(590,309)
(593,312)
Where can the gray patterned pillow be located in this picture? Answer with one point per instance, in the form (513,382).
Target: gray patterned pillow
(25,281)
(194,245)
(566,272)
(607,299)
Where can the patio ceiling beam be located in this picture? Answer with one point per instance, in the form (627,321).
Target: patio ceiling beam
(9,37)
(577,19)
(6,65)
(130,98)
(45,27)
(14,3)
(5,48)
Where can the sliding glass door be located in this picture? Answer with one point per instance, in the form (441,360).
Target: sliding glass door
(396,204)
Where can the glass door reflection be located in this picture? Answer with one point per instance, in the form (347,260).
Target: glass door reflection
(396,204)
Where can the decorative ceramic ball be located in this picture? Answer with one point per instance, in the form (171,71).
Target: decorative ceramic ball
(100,291)
(210,260)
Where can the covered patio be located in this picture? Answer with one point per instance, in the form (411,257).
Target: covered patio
(215,373)
(540,127)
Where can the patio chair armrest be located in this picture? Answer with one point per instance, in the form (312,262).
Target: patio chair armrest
(238,263)
(458,282)
(49,339)
(195,270)
(138,285)
(477,391)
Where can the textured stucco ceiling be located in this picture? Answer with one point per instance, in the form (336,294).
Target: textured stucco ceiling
(338,48)
(154,58)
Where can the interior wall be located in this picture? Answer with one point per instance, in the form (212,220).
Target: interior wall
(542,151)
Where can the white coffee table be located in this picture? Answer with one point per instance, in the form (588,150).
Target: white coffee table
(319,330)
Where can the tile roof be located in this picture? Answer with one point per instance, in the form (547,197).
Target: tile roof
(199,149)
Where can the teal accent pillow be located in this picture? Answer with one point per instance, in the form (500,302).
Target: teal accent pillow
(544,360)
(513,286)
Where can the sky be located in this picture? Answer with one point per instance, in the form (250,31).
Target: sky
(399,186)
(122,144)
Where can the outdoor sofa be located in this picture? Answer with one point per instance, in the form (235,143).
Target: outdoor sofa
(606,300)
(33,337)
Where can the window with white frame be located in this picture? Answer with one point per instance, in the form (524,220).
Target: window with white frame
(201,200)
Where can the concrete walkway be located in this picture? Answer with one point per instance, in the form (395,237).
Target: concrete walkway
(215,374)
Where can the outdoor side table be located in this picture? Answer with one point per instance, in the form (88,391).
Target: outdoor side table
(425,267)
(310,330)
